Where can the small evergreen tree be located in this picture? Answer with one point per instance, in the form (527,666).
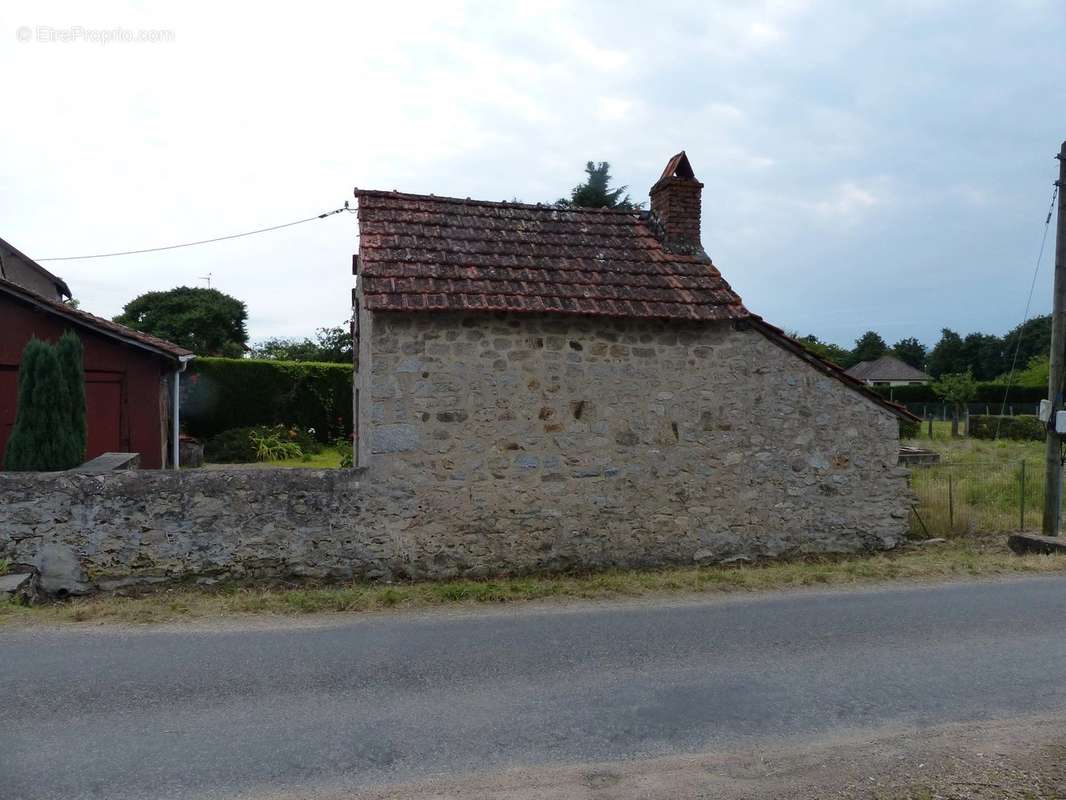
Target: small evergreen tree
(72,362)
(595,192)
(40,437)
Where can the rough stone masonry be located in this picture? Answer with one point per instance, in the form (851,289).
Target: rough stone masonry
(508,445)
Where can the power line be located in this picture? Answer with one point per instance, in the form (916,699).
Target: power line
(1028,303)
(203,241)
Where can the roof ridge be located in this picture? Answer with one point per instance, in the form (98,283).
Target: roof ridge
(501,203)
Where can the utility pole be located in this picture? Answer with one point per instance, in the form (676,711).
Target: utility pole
(1053,453)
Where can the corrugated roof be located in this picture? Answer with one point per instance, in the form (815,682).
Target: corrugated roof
(419,253)
(98,324)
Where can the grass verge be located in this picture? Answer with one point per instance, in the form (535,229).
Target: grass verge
(960,558)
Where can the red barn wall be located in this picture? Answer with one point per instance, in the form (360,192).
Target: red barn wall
(123,384)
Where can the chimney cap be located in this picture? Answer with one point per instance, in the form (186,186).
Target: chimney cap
(677,168)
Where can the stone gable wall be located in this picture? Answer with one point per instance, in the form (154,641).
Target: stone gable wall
(507,446)
(671,438)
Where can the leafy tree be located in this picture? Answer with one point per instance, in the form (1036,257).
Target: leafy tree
(329,344)
(983,354)
(72,364)
(827,350)
(41,437)
(956,388)
(595,192)
(910,351)
(206,321)
(868,347)
(947,355)
(1031,338)
(1036,374)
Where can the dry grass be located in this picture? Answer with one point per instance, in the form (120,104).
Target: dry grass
(962,558)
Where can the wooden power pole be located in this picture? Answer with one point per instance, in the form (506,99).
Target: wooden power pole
(1053,454)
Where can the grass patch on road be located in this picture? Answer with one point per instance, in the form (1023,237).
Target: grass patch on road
(970,557)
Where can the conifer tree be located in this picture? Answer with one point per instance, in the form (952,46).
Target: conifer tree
(72,362)
(39,439)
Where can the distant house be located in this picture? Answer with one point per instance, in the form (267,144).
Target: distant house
(888,371)
(130,377)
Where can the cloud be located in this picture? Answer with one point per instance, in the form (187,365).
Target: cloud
(859,148)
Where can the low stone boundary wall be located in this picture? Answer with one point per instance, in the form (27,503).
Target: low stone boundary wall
(87,532)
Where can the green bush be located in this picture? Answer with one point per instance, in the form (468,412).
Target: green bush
(260,443)
(231,447)
(1025,427)
(46,436)
(220,394)
(908,429)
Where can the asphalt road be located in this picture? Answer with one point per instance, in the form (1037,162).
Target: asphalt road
(250,711)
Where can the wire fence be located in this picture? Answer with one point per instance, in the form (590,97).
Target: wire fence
(991,497)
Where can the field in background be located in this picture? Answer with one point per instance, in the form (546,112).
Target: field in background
(979,486)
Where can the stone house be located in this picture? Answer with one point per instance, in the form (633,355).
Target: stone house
(586,380)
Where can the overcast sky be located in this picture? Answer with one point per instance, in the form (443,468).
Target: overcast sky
(867,165)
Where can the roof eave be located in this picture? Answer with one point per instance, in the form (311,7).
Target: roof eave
(54,308)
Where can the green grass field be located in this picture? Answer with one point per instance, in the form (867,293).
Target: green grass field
(977,487)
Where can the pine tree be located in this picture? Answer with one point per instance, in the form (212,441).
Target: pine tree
(72,362)
(595,192)
(40,437)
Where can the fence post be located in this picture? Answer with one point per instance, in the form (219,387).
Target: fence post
(1021,501)
(951,503)
(930,427)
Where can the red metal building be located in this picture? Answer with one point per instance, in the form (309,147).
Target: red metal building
(130,377)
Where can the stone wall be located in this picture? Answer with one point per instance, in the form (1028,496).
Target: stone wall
(508,446)
(654,438)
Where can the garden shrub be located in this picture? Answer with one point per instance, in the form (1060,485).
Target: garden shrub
(260,443)
(908,428)
(1024,427)
(221,394)
(230,447)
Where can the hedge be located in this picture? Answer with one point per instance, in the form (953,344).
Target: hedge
(223,393)
(1026,427)
(986,393)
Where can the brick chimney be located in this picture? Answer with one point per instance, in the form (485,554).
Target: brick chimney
(675,206)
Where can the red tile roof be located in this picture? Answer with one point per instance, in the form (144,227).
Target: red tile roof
(420,253)
(99,324)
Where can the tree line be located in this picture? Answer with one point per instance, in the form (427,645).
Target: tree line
(985,356)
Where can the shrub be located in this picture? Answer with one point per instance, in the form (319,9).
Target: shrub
(221,394)
(908,428)
(1025,427)
(260,443)
(43,437)
(274,445)
(230,447)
